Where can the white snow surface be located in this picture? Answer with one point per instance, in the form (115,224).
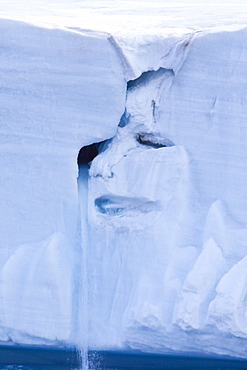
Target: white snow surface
(162,265)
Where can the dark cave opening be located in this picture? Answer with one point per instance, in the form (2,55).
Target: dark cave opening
(88,153)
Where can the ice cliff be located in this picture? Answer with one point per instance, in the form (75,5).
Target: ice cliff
(60,90)
(166,203)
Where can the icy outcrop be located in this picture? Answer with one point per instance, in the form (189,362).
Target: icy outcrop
(33,276)
(199,287)
(228,310)
(166,196)
(175,275)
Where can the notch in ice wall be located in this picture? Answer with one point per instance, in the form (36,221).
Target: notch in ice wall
(142,53)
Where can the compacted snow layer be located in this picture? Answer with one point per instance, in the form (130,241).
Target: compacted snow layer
(163,261)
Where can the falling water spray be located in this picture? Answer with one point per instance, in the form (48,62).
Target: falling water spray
(83,200)
(86,155)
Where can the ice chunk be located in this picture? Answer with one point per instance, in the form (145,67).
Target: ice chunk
(37,293)
(228,311)
(199,287)
(227,232)
(131,248)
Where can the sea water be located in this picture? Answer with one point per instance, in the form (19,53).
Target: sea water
(43,359)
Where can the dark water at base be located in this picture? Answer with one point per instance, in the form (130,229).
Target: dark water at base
(18,358)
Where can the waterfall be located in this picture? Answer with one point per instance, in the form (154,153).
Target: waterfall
(85,156)
(83,202)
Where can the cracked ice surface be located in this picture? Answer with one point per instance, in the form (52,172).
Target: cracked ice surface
(167,194)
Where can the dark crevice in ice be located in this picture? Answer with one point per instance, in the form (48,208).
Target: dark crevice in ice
(153,103)
(153,141)
(146,77)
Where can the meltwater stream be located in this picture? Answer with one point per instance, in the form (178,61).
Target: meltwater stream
(83,202)
(85,156)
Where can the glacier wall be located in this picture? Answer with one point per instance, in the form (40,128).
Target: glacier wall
(60,90)
(166,196)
